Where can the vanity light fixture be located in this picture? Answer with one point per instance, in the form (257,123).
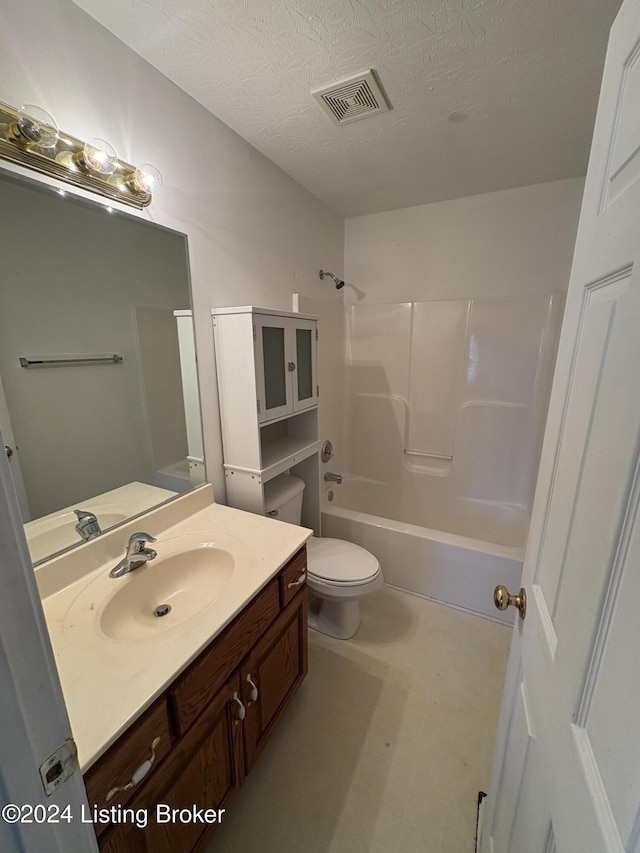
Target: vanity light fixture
(30,136)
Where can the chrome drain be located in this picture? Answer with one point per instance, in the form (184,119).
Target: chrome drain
(162,610)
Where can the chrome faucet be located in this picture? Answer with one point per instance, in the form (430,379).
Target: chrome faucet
(333,478)
(87,525)
(136,555)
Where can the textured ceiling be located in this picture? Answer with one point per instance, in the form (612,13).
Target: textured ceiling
(486,94)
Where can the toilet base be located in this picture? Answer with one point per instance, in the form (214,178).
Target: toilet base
(339,619)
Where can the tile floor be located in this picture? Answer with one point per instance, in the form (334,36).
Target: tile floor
(387,743)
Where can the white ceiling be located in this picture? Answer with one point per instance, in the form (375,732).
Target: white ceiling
(520,76)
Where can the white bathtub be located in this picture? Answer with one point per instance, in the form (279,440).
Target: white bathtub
(460,570)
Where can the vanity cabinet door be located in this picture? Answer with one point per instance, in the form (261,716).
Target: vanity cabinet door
(204,771)
(272,675)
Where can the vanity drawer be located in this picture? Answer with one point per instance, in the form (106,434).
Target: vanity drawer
(293,577)
(128,755)
(193,691)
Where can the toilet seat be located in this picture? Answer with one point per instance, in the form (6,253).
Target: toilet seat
(335,562)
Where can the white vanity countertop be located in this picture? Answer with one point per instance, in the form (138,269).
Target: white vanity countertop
(108,683)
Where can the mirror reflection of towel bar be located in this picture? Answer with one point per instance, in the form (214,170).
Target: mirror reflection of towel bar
(429,455)
(57,360)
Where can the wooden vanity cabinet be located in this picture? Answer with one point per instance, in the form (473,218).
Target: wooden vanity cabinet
(221,712)
(194,689)
(205,770)
(134,747)
(272,674)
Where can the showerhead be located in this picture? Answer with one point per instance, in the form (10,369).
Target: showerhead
(339,282)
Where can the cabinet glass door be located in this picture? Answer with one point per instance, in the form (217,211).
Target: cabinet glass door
(305,388)
(275,378)
(303,360)
(285,359)
(274,384)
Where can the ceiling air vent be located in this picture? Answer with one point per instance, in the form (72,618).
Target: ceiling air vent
(350,100)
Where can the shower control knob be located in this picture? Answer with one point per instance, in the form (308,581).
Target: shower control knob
(502,599)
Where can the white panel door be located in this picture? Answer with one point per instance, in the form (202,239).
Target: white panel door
(33,716)
(567,768)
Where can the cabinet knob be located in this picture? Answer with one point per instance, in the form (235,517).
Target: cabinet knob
(139,774)
(242,711)
(254,690)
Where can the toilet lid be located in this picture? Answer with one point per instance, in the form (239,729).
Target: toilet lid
(339,561)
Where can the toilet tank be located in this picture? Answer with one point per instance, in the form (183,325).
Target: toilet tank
(283,498)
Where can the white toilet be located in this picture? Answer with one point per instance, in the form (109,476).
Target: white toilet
(339,573)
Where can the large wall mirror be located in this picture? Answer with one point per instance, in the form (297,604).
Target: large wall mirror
(99,407)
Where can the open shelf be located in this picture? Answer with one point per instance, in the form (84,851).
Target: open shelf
(280,455)
(286,442)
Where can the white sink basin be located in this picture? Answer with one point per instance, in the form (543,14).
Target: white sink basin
(190,573)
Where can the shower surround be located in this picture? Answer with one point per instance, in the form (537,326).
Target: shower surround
(445,405)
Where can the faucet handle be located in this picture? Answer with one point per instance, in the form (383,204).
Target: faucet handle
(142,537)
(84,515)
(137,542)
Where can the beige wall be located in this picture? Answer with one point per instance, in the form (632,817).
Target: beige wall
(255,236)
(510,243)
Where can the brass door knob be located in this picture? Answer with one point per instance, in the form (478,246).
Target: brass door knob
(502,599)
(8,450)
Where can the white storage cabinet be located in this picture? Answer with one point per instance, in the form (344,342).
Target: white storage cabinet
(266,362)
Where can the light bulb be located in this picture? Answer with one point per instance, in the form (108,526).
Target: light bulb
(99,156)
(146,178)
(37,127)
